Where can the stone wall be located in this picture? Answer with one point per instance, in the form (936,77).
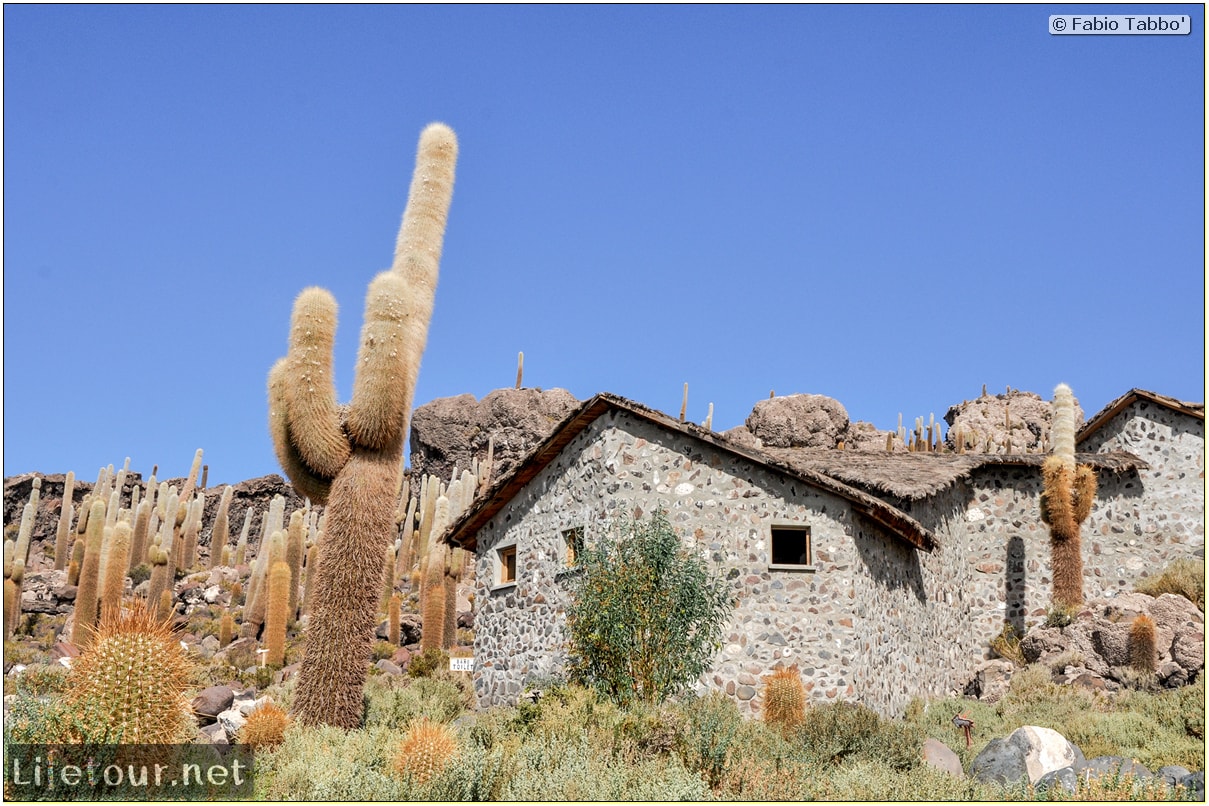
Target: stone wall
(876,620)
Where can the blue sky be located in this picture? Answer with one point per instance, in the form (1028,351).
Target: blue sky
(889,205)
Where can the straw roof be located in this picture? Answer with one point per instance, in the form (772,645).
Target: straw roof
(464,530)
(856,476)
(915,476)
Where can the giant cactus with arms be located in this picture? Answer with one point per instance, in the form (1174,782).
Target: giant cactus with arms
(349,456)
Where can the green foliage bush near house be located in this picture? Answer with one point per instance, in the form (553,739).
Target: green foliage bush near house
(647,615)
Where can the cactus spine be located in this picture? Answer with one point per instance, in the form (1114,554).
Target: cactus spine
(1067,498)
(63,532)
(355,469)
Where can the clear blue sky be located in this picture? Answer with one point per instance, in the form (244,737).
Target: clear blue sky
(889,205)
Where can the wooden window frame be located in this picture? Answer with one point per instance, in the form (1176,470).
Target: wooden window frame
(784,530)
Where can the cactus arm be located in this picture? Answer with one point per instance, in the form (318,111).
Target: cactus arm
(399,304)
(309,387)
(301,476)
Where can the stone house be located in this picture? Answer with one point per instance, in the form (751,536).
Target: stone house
(882,575)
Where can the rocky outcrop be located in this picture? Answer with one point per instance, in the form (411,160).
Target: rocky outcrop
(798,421)
(1024,416)
(450,431)
(1096,643)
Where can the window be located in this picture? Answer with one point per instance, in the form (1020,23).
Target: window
(573,543)
(791,548)
(506,565)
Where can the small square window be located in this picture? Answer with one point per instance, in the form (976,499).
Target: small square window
(573,544)
(791,547)
(506,562)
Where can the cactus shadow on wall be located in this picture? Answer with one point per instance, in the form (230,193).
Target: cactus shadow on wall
(1015,580)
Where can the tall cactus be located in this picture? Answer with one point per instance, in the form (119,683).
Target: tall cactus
(350,457)
(1067,498)
(63,532)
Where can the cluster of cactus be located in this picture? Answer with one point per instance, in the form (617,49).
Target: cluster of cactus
(784,705)
(129,685)
(265,727)
(1069,490)
(424,751)
(349,458)
(423,558)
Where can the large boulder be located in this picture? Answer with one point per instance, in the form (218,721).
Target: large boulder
(1045,750)
(450,431)
(212,701)
(1000,762)
(798,421)
(938,756)
(1025,416)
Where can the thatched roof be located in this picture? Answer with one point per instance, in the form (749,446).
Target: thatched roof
(1115,407)
(915,476)
(463,532)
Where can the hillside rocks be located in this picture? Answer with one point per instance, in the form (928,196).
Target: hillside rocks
(798,421)
(450,431)
(1096,642)
(989,417)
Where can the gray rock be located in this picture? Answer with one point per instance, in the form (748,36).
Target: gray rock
(1045,750)
(411,628)
(214,734)
(1173,774)
(999,763)
(938,756)
(1115,765)
(991,680)
(449,431)
(387,667)
(212,701)
(1195,784)
(1031,418)
(1066,778)
(1188,646)
(232,720)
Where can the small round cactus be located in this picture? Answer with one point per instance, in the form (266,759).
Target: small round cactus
(424,751)
(130,683)
(784,699)
(265,727)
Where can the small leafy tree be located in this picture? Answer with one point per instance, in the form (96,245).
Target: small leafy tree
(646,616)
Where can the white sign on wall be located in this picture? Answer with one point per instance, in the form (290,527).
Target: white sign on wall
(461,664)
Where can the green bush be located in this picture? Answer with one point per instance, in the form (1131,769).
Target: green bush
(428,662)
(1182,577)
(395,702)
(713,721)
(836,732)
(646,616)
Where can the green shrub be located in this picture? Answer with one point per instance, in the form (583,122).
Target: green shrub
(713,721)
(646,615)
(395,702)
(1060,615)
(140,574)
(428,662)
(836,732)
(1182,577)
(41,679)
(1007,645)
